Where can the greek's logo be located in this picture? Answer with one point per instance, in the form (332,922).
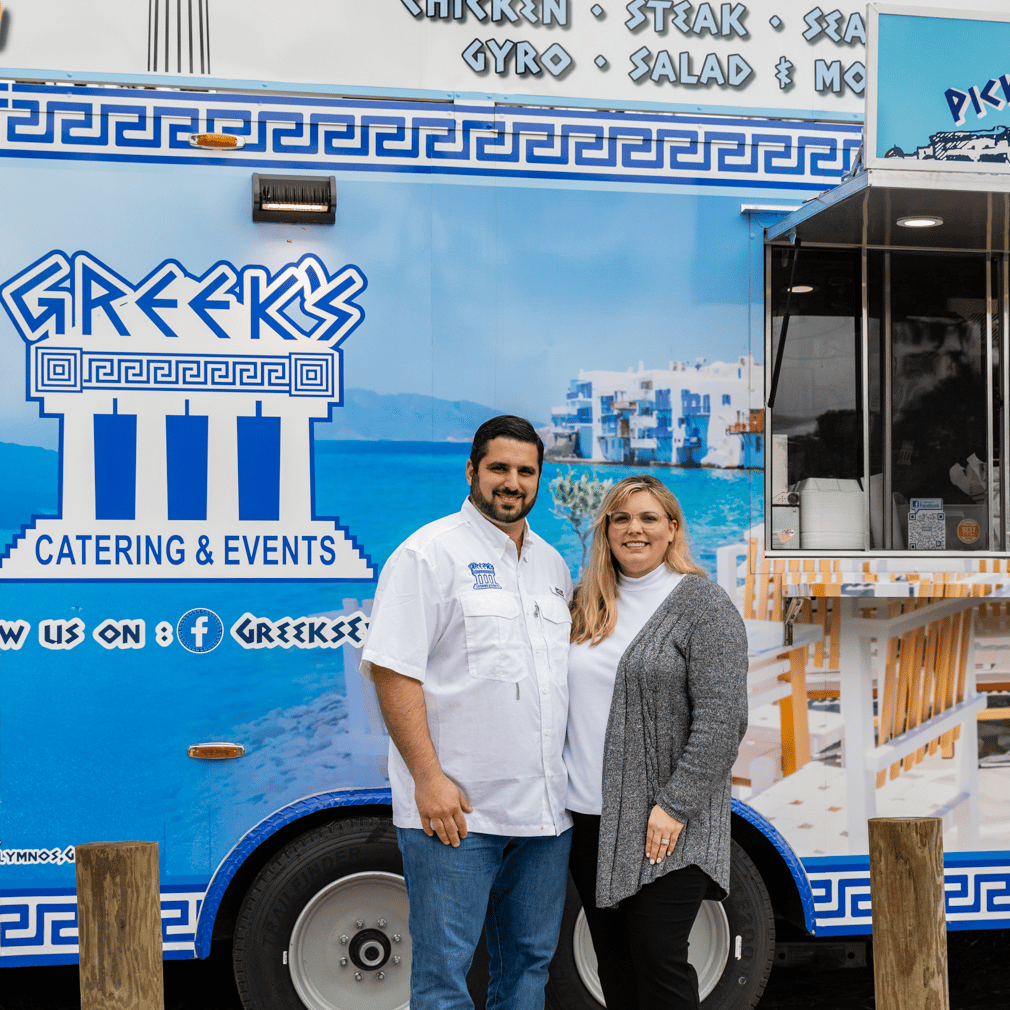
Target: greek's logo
(148,377)
(200,630)
(483,575)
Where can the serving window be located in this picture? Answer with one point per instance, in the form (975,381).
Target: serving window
(885,391)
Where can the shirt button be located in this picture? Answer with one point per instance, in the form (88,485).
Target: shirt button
(547,732)
(544,691)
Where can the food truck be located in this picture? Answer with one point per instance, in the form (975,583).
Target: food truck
(262,279)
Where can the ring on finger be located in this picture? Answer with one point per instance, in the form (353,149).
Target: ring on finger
(664,841)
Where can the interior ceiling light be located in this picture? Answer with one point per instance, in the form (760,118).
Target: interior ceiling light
(920,221)
(802,289)
(216,141)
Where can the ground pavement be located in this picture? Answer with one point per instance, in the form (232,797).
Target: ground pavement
(979,980)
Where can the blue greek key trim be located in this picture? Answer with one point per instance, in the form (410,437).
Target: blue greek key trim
(41,928)
(977,887)
(72,370)
(51,121)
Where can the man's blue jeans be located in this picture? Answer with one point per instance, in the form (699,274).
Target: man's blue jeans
(514,887)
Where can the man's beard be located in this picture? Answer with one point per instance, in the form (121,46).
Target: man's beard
(490,508)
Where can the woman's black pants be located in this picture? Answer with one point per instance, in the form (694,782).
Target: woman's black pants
(641,945)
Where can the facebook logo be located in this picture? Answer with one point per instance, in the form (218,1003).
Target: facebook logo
(200,630)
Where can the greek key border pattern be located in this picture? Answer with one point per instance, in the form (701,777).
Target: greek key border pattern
(973,894)
(111,123)
(73,370)
(45,925)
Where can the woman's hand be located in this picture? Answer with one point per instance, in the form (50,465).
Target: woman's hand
(662,835)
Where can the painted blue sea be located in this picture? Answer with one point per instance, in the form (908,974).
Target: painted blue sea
(289,708)
(384,490)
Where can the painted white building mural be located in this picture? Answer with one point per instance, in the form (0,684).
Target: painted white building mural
(685,414)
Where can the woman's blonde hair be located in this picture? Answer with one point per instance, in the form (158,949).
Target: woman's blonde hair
(594,608)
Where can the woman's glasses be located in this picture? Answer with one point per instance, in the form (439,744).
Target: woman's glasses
(647,519)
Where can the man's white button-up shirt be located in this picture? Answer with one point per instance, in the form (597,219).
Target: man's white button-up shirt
(486,633)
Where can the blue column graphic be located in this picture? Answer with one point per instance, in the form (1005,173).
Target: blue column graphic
(259,466)
(186,462)
(115,465)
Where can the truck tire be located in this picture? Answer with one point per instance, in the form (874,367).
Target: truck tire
(335,894)
(732,947)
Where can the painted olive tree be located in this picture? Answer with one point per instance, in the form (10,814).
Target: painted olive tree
(578,499)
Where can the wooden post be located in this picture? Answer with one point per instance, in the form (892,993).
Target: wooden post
(909,925)
(119,924)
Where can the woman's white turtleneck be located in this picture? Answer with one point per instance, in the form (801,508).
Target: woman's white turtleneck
(591,673)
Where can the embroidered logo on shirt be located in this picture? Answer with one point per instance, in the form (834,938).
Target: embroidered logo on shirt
(483,575)
(558,592)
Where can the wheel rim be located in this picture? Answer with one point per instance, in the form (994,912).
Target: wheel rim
(709,950)
(585,958)
(328,930)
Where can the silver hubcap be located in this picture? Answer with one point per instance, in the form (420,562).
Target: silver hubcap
(339,955)
(709,950)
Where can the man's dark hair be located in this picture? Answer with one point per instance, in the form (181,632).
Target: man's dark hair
(505,426)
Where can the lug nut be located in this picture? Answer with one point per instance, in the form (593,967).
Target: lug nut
(396,959)
(380,975)
(343,962)
(343,939)
(382,924)
(357,976)
(396,938)
(358,924)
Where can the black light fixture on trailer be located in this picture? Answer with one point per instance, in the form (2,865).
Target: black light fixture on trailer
(295,199)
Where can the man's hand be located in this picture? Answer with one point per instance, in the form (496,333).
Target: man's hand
(441,805)
(439,800)
(662,835)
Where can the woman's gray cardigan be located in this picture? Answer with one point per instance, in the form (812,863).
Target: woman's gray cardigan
(678,714)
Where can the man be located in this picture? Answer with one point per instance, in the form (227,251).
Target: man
(468,648)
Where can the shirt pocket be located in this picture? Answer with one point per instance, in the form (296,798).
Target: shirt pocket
(494,644)
(557,629)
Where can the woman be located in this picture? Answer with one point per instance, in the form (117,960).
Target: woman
(664,652)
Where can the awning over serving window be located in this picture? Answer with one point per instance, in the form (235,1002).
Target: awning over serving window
(974,209)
